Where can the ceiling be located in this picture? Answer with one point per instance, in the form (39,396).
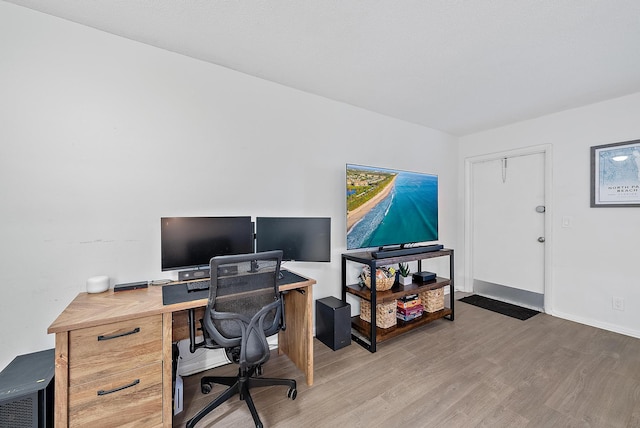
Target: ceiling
(453,65)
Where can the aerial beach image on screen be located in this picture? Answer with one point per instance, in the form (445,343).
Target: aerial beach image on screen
(386,207)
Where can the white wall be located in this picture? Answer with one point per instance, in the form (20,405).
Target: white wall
(597,258)
(102,136)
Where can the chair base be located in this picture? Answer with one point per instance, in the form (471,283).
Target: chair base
(240,385)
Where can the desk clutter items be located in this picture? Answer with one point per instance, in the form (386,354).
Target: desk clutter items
(385,277)
(130,286)
(97,284)
(100,284)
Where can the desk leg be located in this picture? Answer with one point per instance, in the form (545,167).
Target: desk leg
(167,361)
(61,380)
(297,340)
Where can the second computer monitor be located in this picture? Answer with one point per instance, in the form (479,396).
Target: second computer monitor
(302,239)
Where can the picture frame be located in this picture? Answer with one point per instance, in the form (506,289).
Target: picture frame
(615,175)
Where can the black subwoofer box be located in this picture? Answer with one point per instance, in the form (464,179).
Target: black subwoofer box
(333,322)
(26,391)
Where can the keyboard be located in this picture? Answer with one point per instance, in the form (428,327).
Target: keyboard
(198,285)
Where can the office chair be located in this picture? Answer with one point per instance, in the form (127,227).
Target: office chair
(244,307)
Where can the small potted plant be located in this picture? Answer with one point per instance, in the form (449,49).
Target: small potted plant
(405,273)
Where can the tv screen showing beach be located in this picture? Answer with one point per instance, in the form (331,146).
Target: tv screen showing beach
(390,207)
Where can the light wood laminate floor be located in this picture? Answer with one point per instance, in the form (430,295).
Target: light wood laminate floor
(482,370)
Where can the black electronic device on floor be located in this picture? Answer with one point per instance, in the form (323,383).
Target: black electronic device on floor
(26,391)
(333,322)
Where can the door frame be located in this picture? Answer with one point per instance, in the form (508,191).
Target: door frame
(546,150)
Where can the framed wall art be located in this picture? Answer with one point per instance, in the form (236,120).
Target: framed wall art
(615,175)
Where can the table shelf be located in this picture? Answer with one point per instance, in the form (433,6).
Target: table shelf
(369,334)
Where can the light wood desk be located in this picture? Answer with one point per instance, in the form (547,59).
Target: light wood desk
(114,354)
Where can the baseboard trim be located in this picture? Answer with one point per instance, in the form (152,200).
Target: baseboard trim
(598,324)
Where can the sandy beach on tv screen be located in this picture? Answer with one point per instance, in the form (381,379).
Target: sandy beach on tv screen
(356,215)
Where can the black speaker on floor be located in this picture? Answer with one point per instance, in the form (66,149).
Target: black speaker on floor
(26,391)
(333,322)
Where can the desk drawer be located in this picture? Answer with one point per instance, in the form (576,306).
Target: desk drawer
(98,352)
(128,399)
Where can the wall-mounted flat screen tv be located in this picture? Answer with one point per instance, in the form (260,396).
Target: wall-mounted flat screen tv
(388,207)
(191,242)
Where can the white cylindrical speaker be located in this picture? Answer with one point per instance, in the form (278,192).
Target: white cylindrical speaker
(97,284)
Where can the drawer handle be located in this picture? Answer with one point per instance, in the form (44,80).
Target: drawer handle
(127,333)
(111,391)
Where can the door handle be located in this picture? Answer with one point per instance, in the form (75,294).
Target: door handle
(541,239)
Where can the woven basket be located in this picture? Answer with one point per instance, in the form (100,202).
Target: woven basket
(382,284)
(385,313)
(433,300)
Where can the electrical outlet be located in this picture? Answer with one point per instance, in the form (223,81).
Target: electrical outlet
(618,303)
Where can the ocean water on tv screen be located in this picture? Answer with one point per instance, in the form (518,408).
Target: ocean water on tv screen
(409,213)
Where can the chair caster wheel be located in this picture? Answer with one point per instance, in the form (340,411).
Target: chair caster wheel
(205,388)
(292,393)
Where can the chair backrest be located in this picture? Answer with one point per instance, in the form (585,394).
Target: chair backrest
(244,305)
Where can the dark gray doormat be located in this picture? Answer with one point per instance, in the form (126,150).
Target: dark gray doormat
(503,308)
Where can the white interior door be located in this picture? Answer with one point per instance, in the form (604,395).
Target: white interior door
(508,223)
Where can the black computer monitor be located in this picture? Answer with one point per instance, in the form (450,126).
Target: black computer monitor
(191,242)
(302,239)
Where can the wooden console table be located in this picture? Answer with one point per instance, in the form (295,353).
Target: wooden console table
(368,334)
